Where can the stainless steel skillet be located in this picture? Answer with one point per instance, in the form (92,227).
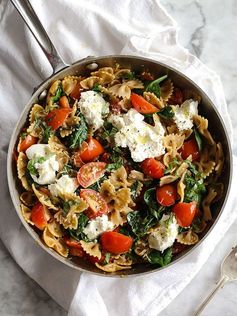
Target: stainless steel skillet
(60,70)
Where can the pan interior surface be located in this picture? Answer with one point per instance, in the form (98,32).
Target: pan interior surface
(206,109)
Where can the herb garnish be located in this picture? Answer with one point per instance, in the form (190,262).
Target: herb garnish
(154,86)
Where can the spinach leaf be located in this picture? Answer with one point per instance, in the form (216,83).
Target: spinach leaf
(109,131)
(45,129)
(96,186)
(107,258)
(167,112)
(154,86)
(162,259)
(171,165)
(138,224)
(78,233)
(128,76)
(79,135)
(116,156)
(198,139)
(194,189)
(58,94)
(150,200)
(23,135)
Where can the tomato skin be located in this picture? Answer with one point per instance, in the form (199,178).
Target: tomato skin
(185,213)
(90,172)
(190,147)
(63,103)
(72,243)
(77,252)
(76,92)
(38,216)
(97,205)
(141,105)
(166,195)
(27,142)
(57,117)
(115,242)
(153,168)
(91,150)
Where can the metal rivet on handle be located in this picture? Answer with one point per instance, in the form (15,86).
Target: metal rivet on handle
(92,66)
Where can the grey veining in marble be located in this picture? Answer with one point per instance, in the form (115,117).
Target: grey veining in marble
(208,30)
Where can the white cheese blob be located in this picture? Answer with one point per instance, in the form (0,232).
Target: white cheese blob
(97,226)
(142,139)
(165,235)
(46,167)
(94,108)
(183,114)
(65,184)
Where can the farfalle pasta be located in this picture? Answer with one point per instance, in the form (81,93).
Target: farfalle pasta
(118,168)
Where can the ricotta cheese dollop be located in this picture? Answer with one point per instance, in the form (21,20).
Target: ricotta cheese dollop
(44,163)
(183,114)
(65,184)
(165,235)
(97,226)
(94,108)
(142,139)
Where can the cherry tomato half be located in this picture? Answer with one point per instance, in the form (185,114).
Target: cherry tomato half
(38,216)
(90,173)
(115,242)
(141,105)
(27,142)
(91,150)
(97,205)
(153,168)
(166,195)
(63,103)
(190,147)
(185,213)
(57,117)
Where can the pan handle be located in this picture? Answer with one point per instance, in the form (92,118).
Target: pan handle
(32,21)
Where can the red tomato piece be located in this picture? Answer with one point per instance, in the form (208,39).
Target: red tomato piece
(76,92)
(153,168)
(91,150)
(166,195)
(115,242)
(190,147)
(97,205)
(90,173)
(27,142)
(141,105)
(63,103)
(38,216)
(73,243)
(185,213)
(57,117)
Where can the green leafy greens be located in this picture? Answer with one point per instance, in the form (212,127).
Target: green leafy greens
(153,207)
(194,189)
(79,135)
(162,259)
(154,86)
(31,165)
(58,94)
(78,233)
(198,139)
(167,112)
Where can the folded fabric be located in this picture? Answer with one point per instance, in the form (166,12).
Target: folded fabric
(79,29)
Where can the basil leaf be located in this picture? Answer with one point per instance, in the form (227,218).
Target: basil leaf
(23,135)
(133,189)
(31,165)
(128,76)
(79,135)
(97,87)
(113,166)
(109,131)
(107,258)
(154,86)
(198,139)
(78,233)
(159,258)
(58,94)
(167,112)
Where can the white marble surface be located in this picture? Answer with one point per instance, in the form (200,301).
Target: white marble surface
(208,29)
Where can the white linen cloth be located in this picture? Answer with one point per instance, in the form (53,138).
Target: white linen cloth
(78,29)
